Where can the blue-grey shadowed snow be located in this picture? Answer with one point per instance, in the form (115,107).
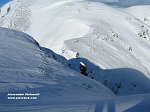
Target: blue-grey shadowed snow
(26,68)
(124,3)
(100,106)
(122,81)
(55,56)
(136,103)
(143,106)
(105,106)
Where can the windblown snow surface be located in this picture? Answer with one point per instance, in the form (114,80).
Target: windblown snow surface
(26,68)
(113,43)
(113,40)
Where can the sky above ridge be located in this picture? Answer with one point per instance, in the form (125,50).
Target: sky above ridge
(2,2)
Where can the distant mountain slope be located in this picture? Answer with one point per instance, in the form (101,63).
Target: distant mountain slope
(124,3)
(140,12)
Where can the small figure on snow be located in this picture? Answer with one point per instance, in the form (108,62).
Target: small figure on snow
(8,9)
(77,55)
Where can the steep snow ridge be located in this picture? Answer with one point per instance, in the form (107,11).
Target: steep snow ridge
(112,78)
(115,43)
(60,88)
(22,56)
(25,68)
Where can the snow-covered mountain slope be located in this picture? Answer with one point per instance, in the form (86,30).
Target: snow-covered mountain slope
(140,12)
(54,16)
(121,81)
(25,68)
(108,38)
